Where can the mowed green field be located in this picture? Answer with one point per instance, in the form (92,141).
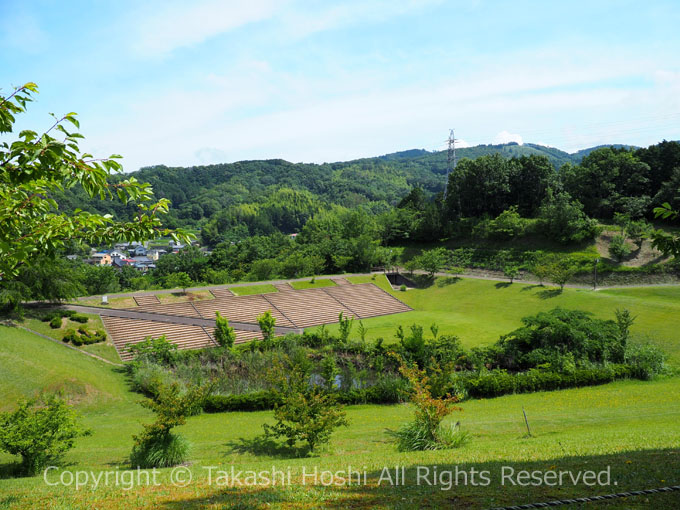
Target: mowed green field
(480,311)
(633,427)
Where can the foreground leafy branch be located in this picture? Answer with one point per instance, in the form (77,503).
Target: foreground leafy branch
(34,166)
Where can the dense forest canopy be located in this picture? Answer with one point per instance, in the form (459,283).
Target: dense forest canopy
(349,216)
(237,200)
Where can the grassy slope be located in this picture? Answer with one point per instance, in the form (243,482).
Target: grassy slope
(31,364)
(479,311)
(631,425)
(105,350)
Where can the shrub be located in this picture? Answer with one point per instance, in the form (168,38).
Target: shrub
(256,401)
(70,336)
(423,433)
(55,322)
(165,451)
(618,249)
(158,350)
(507,225)
(224,335)
(305,414)
(79,318)
(402,287)
(645,360)
(41,430)
(558,332)
(345,327)
(157,445)
(267,323)
(498,383)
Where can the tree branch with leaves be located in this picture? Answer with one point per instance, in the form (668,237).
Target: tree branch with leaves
(35,166)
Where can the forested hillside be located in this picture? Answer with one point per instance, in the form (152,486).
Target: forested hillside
(360,214)
(262,197)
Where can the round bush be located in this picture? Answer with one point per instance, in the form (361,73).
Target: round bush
(159,452)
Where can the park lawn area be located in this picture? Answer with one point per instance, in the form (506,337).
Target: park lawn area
(307,284)
(247,290)
(379,280)
(631,426)
(113,302)
(480,311)
(105,350)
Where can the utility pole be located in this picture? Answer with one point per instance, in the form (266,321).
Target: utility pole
(450,160)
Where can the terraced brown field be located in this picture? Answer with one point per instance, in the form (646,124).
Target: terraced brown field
(241,309)
(125,332)
(309,307)
(292,308)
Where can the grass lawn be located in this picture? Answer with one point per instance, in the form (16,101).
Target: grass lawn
(246,290)
(480,311)
(105,350)
(631,426)
(321,282)
(113,302)
(181,297)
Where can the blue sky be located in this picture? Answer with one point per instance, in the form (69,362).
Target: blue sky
(183,83)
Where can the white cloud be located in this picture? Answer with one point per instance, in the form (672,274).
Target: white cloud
(166,27)
(507,137)
(255,111)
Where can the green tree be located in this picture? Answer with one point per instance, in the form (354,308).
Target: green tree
(433,261)
(345,326)
(507,225)
(511,272)
(267,323)
(224,334)
(560,270)
(157,445)
(306,413)
(638,231)
(99,279)
(41,430)
(178,280)
(36,166)
(563,219)
(329,371)
(667,243)
(618,249)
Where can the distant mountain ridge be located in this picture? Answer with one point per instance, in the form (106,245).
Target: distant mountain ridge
(556,156)
(197,193)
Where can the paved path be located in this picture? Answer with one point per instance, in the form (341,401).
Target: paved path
(223,286)
(499,278)
(173,319)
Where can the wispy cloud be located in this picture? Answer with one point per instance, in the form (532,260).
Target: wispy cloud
(168,26)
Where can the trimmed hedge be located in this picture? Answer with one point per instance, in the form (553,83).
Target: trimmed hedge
(489,385)
(84,336)
(495,384)
(256,401)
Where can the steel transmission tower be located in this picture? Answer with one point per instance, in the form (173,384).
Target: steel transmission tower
(450,160)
